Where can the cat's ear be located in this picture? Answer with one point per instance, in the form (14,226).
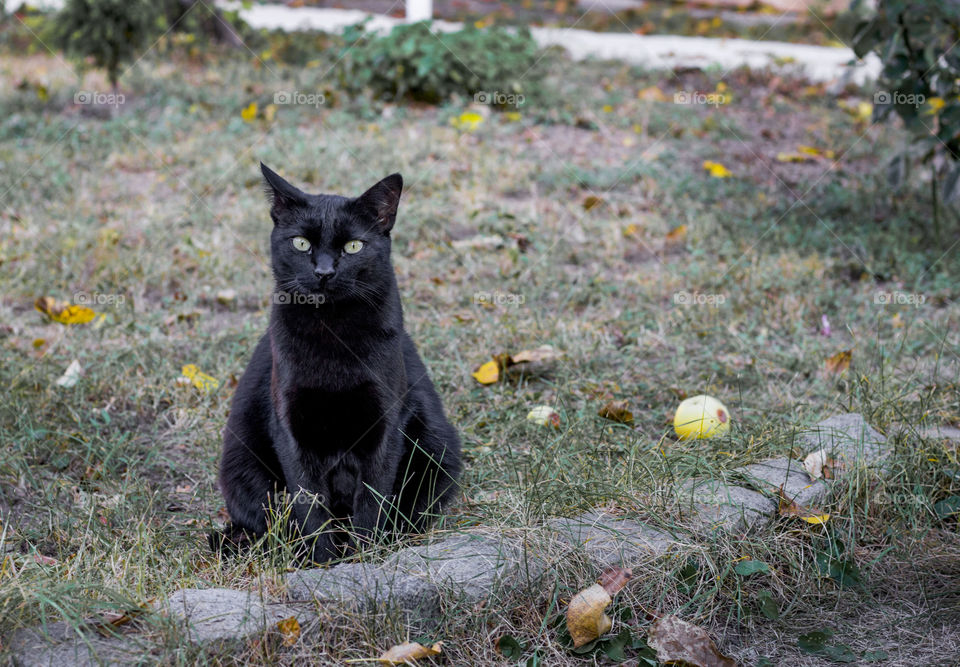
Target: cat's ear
(382,201)
(282,195)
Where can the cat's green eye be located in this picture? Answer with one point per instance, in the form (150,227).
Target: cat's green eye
(353,247)
(301,243)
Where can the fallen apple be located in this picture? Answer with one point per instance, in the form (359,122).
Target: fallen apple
(701,417)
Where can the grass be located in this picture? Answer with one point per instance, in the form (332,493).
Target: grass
(107,489)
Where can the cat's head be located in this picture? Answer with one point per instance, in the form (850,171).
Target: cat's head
(328,248)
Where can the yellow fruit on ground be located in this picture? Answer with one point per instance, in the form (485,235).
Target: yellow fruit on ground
(701,417)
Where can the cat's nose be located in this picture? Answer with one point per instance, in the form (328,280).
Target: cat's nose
(324,267)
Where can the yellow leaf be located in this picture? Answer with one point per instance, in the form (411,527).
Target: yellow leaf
(467,121)
(199,379)
(249,113)
(61,312)
(631,229)
(487,373)
(290,629)
(544,415)
(407,652)
(39,342)
(815,152)
(677,234)
(896,321)
(513,116)
(717,170)
(269,112)
(652,94)
(542,353)
(816,519)
(586,619)
(792,157)
(935,104)
(838,363)
(607,108)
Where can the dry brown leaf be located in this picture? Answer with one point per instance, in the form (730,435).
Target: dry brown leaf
(838,363)
(585,618)
(408,652)
(613,579)
(679,642)
(290,630)
(617,411)
(542,353)
(591,202)
(791,508)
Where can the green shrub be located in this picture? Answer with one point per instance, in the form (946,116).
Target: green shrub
(110,32)
(920,82)
(413,62)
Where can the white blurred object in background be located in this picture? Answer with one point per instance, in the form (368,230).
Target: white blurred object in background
(419,10)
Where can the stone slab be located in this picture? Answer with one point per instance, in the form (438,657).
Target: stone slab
(366,587)
(610,540)
(60,645)
(217,614)
(713,505)
(848,437)
(788,473)
(471,567)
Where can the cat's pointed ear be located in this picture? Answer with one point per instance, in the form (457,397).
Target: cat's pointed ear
(282,195)
(382,201)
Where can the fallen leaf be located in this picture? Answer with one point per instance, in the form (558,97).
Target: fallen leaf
(591,202)
(407,652)
(199,379)
(290,630)
(70,376)
(651,94)
(467,121)
(586,619)
(544,415)
(838,363)
(793,157)
(716,169)
(617,411)
(613,579)
(819,464)
(491,241)
(62,312)
(249,113)
(487,373)
(542,353)
(815,152)
(679,642)
(677,234)
(790,508)
(492,371)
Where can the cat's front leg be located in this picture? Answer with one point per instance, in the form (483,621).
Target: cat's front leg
(314,525)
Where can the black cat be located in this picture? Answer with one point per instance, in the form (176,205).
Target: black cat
(336,408)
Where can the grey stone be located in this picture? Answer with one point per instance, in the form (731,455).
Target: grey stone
(719,506)
(217,614)
(847,437)
(366,587)
(60,645)
(609,540)
(471,567)
(939,433)
(787,473)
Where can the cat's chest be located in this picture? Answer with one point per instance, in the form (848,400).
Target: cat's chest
(351,419)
